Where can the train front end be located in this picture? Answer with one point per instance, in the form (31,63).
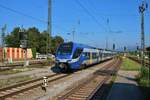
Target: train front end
(64,56)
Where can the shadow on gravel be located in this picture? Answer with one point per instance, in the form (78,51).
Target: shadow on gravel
(129,78)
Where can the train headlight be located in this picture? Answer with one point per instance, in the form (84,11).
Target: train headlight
(69,61)
(57,61)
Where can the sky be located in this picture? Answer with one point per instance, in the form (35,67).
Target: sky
(95,22)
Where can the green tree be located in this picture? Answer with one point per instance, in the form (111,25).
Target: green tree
(13,40)
(33,38)
(43,42)
(36,40)
(55,42)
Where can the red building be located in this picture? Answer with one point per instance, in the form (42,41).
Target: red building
(13,54)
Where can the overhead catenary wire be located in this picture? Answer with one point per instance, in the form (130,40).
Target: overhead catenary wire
(22,14)
(105,19)
(93,9)
(89,13)
(29,16)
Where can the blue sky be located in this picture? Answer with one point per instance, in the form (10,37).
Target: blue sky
(117,21)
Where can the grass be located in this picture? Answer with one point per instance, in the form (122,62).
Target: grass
(10,81)
(14,71)
(130,65)
(6,72)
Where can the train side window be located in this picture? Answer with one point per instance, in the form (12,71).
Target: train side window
(97,55)
(100,54)
(77,53)
(87,55)
(94,55)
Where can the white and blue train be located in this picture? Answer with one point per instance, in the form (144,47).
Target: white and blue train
(73,56)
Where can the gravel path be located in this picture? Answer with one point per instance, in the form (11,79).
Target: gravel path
(125,87)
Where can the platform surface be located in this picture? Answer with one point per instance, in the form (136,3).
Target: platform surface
(125,87)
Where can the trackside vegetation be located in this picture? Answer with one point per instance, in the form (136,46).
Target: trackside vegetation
(130,65)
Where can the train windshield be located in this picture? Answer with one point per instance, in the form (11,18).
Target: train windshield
(77,53)
(65,49)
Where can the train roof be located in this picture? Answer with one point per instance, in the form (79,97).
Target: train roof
(86,46)
(82,45)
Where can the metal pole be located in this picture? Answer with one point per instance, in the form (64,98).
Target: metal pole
(141,10)
(113,47)
(142,38)
(49,18)
(106,43)
(3,43)
(73,33)
(48,25)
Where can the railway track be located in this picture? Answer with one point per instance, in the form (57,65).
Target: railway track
(28,85)
(147,63)
(87,89)
(21,64)
(9,91)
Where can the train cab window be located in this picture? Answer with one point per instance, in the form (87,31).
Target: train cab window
(77,53)
(65,49)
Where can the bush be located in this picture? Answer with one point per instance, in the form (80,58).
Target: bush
(143,77)
(144,72)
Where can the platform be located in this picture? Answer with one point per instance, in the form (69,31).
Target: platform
(125,87)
